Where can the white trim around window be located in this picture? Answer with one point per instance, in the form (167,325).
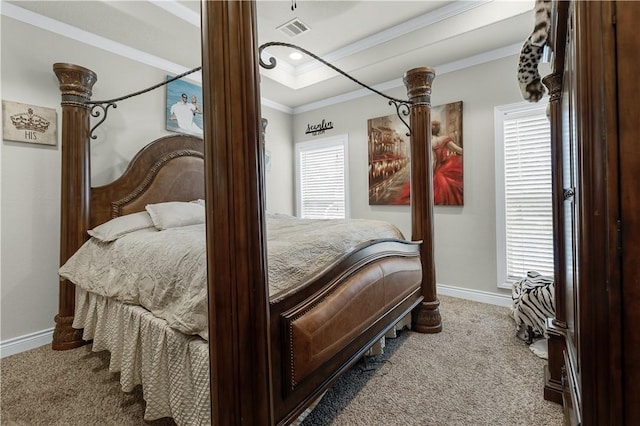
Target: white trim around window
(322,178)
(524,221)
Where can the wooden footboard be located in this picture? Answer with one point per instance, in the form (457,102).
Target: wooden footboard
(329,323)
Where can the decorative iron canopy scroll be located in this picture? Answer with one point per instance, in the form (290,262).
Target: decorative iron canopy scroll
(401,105)
(101,108)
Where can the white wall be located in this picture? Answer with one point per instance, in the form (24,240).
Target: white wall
(30,174)
(465,245)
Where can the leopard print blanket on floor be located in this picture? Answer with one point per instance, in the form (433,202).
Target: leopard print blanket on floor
(531,54)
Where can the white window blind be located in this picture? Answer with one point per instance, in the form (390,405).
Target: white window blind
(523,192)
(321,182)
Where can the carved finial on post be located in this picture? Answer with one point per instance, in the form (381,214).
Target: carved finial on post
(553,82)
(76,83)
(426,316)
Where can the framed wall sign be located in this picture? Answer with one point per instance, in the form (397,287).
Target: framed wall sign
(29,123)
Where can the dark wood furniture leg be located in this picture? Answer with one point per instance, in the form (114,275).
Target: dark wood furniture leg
(556,327)
(75,84)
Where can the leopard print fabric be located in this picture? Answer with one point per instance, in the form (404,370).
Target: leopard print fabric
(528,76)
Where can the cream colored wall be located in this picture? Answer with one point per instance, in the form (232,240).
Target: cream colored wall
(30,174)
(465,239)
(279,179)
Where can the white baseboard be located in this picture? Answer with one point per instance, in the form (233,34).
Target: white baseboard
(475,295)
(41,338)
(26,342)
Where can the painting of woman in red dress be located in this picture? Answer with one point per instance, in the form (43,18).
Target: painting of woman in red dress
(389,162)
(446,157)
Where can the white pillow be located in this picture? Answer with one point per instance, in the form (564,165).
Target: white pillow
(199,201)
(120,226)
(173,214)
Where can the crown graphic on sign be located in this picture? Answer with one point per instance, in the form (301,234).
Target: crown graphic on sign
(30,121)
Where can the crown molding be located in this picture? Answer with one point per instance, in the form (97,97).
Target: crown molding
(178,10)
(445,12)
(86,37)
(69,31)
(28,17)
(448,11)
(308,74)
(275,105)
(349,96)
(287,73)
(471,61)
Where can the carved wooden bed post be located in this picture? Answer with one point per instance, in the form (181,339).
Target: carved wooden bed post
(239,349)
(76,83)
(426,316)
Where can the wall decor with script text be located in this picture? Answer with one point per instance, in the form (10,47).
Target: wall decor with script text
(318,129)
(389,168)
(29,123)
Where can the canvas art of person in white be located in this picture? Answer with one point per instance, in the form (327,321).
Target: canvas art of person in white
(183,112)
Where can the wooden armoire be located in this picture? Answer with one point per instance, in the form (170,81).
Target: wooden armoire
(594,346)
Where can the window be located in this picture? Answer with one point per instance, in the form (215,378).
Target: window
(321,183)
(524,221)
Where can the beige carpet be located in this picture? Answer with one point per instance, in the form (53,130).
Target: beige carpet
(476,372)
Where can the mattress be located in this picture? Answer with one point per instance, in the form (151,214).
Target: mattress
(165,271)
(143,298)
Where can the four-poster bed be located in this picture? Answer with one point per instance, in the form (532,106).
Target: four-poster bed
(269,358)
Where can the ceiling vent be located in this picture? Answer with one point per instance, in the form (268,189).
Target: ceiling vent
(294,27)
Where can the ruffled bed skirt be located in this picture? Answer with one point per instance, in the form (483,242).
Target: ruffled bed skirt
(172,368)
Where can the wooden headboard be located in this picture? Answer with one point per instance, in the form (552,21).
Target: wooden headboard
(168,169)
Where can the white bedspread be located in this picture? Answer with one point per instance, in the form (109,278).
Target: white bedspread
(165,271)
